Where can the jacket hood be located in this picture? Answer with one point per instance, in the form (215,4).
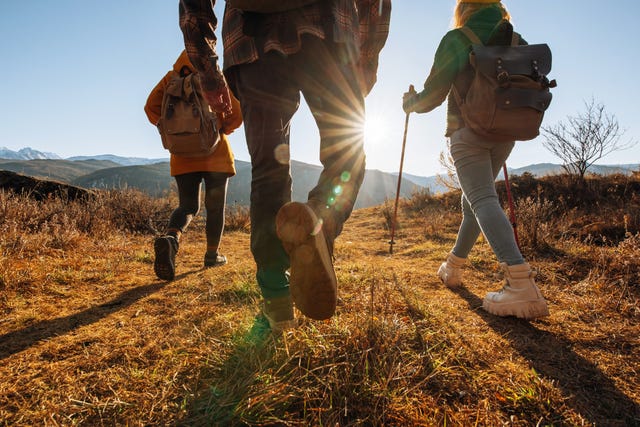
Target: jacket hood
(182,61)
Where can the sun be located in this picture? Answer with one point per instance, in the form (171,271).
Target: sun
(376,130)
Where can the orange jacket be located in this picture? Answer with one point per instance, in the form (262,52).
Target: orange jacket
(221,160)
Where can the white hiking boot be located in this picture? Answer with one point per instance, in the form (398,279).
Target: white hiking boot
(520,297)
(450,272)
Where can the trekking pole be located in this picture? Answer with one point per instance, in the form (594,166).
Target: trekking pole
(395,209)
(512,208)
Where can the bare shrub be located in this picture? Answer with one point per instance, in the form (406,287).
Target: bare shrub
(420,200)
(31,226)
(134,211)
(387,209)
(534,217)
(450,181)
(586,138)
(237,218)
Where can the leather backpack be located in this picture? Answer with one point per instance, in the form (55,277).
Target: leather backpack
(509,91)
(188,127)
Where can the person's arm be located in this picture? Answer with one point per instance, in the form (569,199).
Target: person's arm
(198,23)
(374,17)
(450,59)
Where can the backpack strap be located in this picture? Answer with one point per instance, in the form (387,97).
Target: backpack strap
(515,39)
(468,32)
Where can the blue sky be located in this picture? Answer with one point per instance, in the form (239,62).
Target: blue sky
(77,73)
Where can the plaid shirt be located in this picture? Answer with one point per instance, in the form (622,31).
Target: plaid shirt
(363,24)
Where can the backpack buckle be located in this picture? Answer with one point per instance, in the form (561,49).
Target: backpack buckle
(503,78)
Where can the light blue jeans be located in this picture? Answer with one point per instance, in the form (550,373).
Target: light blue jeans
(478,161)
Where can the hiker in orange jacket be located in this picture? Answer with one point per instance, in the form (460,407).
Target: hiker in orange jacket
(189,172)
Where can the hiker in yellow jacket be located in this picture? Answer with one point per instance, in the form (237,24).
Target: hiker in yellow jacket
(189,172)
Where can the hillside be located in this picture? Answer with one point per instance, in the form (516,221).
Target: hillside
(154,178)
(89,336)
(57,170)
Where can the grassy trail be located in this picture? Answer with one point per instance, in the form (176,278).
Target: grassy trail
(91,337)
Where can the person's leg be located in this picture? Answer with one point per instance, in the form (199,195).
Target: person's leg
(331,89)
(308,230)
(450,271)
(477,162)
(468,232)
(214,202)
(166,247)
(188,203)
(268,99)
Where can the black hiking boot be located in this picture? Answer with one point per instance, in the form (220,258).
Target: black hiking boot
(214,259)
(166,248)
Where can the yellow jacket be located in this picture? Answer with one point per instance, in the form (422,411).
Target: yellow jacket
(221,160)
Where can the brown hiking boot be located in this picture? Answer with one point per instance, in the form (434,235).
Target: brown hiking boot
(313,282)
(279,313)
(164,265)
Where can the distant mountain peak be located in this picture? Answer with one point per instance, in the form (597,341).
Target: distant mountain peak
(26,153)
(124,161)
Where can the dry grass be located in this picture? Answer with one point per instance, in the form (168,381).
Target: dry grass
(89,336)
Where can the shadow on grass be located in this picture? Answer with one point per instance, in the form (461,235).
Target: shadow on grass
(20,340)
(586,388)
(230,383)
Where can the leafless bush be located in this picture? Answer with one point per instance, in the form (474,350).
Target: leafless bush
(28,225)
(450,181)
(585,138)
(420,200)
(387,209)
(534,217)
(237,218)
(134,211)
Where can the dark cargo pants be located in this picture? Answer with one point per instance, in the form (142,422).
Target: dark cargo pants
(269,93)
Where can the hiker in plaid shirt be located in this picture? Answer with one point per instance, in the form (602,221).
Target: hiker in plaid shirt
(328,51)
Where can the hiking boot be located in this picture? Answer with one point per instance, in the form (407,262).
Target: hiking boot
(214,259)
(166,248)
(279,313)
(520,297)
(313,282)
(450,272)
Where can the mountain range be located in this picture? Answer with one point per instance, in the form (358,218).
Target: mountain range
(152,175)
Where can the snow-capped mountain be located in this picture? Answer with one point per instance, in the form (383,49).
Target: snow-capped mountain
(26,154)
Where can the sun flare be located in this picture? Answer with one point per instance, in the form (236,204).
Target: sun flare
(376,130)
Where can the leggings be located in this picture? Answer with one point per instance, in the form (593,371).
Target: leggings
(478,161)
(214,201)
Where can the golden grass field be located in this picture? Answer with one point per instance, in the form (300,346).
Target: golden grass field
(89,336)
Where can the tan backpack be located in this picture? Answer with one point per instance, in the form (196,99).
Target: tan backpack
(188,127)
(268,6)
(509,92)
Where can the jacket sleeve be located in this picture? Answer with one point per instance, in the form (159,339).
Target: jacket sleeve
(153,107)
(452,56)
(198,23)
(233,120)
(374,17)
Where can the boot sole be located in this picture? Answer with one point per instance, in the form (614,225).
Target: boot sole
(313,282)
(164,264)
(520,309)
